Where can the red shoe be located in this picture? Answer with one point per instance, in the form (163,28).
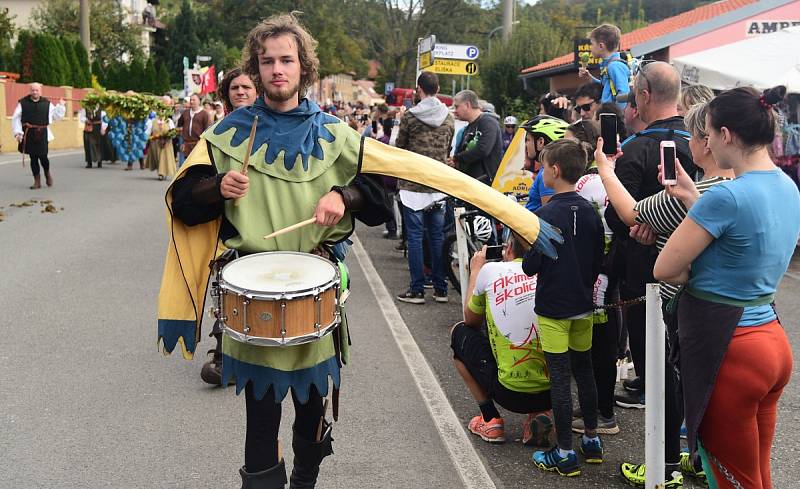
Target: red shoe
(538,430)
(493,431)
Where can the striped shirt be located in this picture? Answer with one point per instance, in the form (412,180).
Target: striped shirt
(664,214)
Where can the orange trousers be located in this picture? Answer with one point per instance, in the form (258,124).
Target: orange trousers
(739,423)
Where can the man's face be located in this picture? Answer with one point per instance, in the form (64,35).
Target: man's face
(279,68)
(462,111)
(586,107)
(194,102)
(36,92)
(630,115)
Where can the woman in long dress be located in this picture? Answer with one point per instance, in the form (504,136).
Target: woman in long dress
(159,152)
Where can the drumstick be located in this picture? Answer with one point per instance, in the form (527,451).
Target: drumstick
(322,420)
(291,228)
(247,155)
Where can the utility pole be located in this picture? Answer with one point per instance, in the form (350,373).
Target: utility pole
(85,37)
(508,19)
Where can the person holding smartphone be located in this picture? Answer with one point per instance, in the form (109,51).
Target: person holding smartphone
(491,365)
(730,254)
(663,213)
(656,89)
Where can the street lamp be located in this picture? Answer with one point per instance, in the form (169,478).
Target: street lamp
(491,33)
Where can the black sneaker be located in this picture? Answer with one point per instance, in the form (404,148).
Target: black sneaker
(412,297)
(633,385)
(401,246)
(440,295)
(630,400)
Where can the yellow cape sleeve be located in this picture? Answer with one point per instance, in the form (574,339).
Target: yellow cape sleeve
(386,160)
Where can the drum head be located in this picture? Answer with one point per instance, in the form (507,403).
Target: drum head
(279,272)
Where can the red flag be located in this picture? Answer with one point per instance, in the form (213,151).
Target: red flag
(208,82)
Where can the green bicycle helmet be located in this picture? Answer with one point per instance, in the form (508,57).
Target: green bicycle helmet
(547,126)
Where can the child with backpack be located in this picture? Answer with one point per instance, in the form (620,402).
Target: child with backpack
(614,71)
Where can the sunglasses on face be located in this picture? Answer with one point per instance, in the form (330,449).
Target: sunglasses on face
(584,107)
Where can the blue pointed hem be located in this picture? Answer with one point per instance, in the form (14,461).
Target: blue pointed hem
(170,330)
(263,378)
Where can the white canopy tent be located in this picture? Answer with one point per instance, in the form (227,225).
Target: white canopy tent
(761,62)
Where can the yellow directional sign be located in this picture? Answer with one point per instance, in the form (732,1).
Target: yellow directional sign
(425,59)
(453,67)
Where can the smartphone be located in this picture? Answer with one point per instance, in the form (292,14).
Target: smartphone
(608,131)
(668,173)
(494,253)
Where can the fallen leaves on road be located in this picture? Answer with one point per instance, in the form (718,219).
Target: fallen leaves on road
(46,206)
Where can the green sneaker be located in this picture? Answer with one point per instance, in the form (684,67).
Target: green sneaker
(634,474)
(687,467)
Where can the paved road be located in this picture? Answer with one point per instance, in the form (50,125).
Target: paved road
(87,401)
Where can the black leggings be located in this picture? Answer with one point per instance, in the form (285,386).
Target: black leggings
(605,338)
(264,420)
(35,160)
(561,395)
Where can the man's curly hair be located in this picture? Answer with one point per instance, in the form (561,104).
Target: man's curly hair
(279,25)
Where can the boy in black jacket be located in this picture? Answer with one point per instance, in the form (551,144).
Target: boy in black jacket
(564,304)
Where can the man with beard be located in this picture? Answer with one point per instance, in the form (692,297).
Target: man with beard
(30,123)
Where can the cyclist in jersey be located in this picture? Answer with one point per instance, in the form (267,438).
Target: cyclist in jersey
(508,365)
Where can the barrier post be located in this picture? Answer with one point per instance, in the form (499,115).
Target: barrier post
(654,390)
(463,255)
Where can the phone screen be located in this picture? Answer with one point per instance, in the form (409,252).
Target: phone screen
(669,163)
(494,253)
(608,130)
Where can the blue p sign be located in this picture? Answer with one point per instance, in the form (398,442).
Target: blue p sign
(472,52)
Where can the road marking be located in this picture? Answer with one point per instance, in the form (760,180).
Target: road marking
(793,275)
(465,458)
(18,159)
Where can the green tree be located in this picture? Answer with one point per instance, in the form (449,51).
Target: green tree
(162,79)
(23,56)
(99,73)
(84,73)
(73,70)
(149,81)
(7,31)
(182,41)
(135,76)
(113,37)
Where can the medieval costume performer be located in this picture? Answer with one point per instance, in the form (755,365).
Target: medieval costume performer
(94,130)
(159,150)
(303,163)
(30,124)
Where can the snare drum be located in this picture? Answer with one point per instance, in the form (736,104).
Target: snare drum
(279,298)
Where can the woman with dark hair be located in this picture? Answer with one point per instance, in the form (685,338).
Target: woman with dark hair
(730,253)
(236,90)
(555,105)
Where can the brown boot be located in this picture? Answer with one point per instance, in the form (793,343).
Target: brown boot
(48,179)
(37,182)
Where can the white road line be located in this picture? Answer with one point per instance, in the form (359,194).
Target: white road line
(793,275)
(466,460)
(18,158)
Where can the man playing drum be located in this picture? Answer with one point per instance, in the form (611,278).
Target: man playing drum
(303,163)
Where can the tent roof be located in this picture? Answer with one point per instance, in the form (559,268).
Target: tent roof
(762,62)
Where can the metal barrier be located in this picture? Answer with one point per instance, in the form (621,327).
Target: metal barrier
(654,389)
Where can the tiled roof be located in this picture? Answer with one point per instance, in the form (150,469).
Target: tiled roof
(658,29)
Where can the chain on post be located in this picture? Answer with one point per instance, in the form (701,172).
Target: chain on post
(622,303)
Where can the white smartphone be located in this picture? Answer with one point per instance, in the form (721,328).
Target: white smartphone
(669,174)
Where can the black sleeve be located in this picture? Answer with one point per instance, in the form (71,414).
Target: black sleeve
(630,171)
(489,130)
(374,205)
(196,196)
(531,262)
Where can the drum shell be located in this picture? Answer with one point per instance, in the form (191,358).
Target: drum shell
(264,316)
